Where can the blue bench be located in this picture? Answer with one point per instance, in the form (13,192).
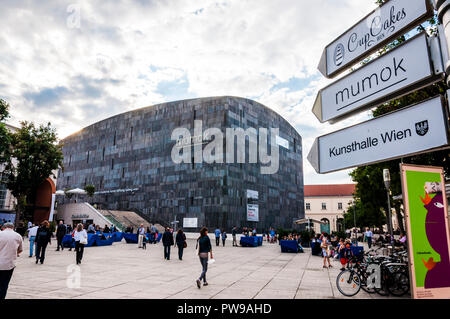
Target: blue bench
(250,241)
(289,246)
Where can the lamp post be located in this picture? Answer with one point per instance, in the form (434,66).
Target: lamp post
(355,235)
(387,184)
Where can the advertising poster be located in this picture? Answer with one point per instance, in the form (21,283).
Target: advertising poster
(426,215)
(252,213)
(190,222)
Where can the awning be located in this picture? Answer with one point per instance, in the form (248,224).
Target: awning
(308,221)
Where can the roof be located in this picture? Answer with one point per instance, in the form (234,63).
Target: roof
(330,190)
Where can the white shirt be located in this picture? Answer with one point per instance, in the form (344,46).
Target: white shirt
(10,242)
(369,233)
(80,234)
(33,231)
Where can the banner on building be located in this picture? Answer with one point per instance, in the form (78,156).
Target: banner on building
(190,222)
(252,213)
(426,215)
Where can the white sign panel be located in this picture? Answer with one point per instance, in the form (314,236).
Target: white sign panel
(383,25)
(387,77)
(190,222)
(252,194)
(413,130)
(252,213)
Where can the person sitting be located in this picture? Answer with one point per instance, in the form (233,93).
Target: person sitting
(91,229)
(106,229)
(299,243)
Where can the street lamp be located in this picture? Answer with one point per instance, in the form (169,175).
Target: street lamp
(387,184)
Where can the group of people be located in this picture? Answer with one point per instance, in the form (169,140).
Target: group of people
(11,246)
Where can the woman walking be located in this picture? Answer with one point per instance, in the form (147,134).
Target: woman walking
(204,247)
(181,243)
(43,238)
(81,239)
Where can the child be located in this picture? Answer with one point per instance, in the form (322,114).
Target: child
(144,242)
(341,251)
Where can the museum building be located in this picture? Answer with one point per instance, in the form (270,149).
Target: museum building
(129,160)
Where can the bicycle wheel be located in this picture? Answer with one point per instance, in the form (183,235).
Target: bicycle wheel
(398,284)
(348,283)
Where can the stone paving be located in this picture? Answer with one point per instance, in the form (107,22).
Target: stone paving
(124,271)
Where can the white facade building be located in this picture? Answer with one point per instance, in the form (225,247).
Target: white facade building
(328,203)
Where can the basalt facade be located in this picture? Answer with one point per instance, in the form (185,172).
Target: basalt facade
(128,159)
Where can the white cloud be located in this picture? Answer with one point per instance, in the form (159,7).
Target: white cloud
(123,51)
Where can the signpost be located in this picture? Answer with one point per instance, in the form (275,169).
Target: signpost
(380,27)
(417,129)
(403,70)
(410,131)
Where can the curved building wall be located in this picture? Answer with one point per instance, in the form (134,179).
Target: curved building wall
(128,159)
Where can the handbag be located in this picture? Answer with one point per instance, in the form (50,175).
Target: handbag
(184,244)
(83,240)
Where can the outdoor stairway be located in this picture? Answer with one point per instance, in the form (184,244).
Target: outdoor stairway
(125,218)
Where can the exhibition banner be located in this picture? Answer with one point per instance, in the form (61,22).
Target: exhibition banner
(426,215)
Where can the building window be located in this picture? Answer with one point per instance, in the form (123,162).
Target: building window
(2,195)
(340,206)
(114,143)
(131,135)
(103,154)
(324,206)
(308,206)
(112,163)
(87,157)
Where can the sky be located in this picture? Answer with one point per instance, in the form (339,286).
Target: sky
(75,63)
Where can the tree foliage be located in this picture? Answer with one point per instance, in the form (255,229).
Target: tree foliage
(90,190)
(5,141)
(37,155)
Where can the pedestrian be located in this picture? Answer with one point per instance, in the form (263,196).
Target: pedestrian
(32,238)
(43,238)
(81,239)
(167,240)
(141,234)
(180,239)
(325,245)
(72,242)
(342,255)
(153,234)
(368,235)
(204,247)
(234,233)
(11,245)
(217,233)
(224,237)
(60,233)
(30,224)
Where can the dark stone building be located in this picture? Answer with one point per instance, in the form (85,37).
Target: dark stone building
(128,159)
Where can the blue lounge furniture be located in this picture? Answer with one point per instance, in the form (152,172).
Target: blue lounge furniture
(289,246)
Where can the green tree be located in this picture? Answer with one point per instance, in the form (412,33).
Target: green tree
(90,190)
(5,140)
(37,154)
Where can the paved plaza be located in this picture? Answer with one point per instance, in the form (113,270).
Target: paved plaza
(124,271)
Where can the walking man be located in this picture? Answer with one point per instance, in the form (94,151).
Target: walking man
(234,233)
(217,233)
(141,234)
(32,237)
(10,247)
(368,234)
(60,233)
(167,240)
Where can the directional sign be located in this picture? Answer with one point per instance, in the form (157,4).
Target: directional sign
(403,70)
(410,131)
(394,18)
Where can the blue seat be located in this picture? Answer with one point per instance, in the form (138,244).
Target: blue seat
(249,241)
(289,246)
